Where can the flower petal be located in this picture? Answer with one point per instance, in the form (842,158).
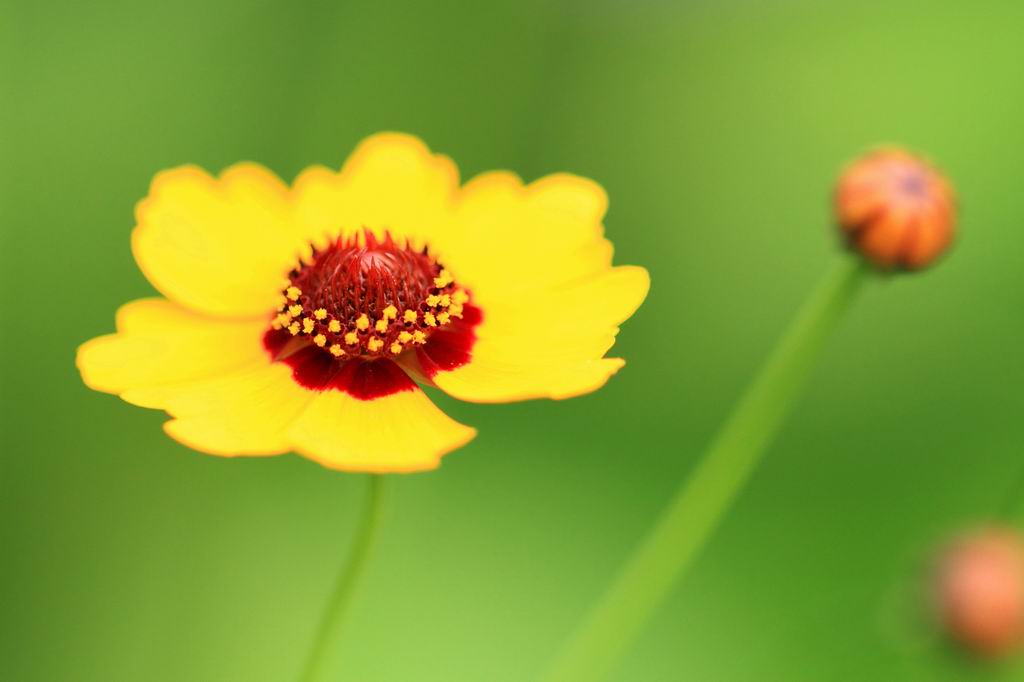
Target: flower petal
(400,432)
(159,343)
(513,242)
(262,410)
(536,261)
(245,413)
(219,246)
(227,398)
(550,347)
(390,182)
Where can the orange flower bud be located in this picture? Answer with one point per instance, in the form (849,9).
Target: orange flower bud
(895,209)
(980,591)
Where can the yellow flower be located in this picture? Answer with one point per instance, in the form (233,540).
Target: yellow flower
(540,300)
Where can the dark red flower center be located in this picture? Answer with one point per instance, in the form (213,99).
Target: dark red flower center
(362,302)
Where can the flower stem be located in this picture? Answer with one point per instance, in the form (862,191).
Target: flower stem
(702,499)
(333,619)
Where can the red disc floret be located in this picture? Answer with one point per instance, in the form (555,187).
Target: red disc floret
(368,297)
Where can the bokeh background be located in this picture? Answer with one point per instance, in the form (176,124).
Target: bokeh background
(717,128)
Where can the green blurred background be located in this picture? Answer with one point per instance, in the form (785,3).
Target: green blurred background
(717,128)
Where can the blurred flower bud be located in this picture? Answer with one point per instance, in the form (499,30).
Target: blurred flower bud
(980,591)
(895,209)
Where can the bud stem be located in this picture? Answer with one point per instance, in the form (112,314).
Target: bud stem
(702,499)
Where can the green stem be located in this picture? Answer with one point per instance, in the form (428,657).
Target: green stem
(702,500)
(333,619)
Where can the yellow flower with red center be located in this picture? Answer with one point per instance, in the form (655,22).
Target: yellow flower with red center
(301,318)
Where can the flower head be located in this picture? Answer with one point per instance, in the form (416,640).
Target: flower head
(305,318)
(895,209)
(980,591)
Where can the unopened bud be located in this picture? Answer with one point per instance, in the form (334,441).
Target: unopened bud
(895,209)
(980,591)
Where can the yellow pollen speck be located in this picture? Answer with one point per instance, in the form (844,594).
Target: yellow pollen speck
(336,350)
(334,326)
(320,313)
(363,322)
(419,337)
(410,316)
(374,344)
(460,297)
(405,337)
(293,293)
(295,310)
(308,325)
(282,301)
(294,328)
(443,279)
(390,313)
(282,320)
(351,338)
(430,320)
(433,300)
(381,326)
(446,300)
(455,310)
(443,318)
(320,340)
(275,324)
(396,348)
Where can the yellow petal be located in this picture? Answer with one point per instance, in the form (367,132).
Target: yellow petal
(552,347)
(391,181)
(509,240)
(219,246)
(401,432)
(159,342)
(244,413)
